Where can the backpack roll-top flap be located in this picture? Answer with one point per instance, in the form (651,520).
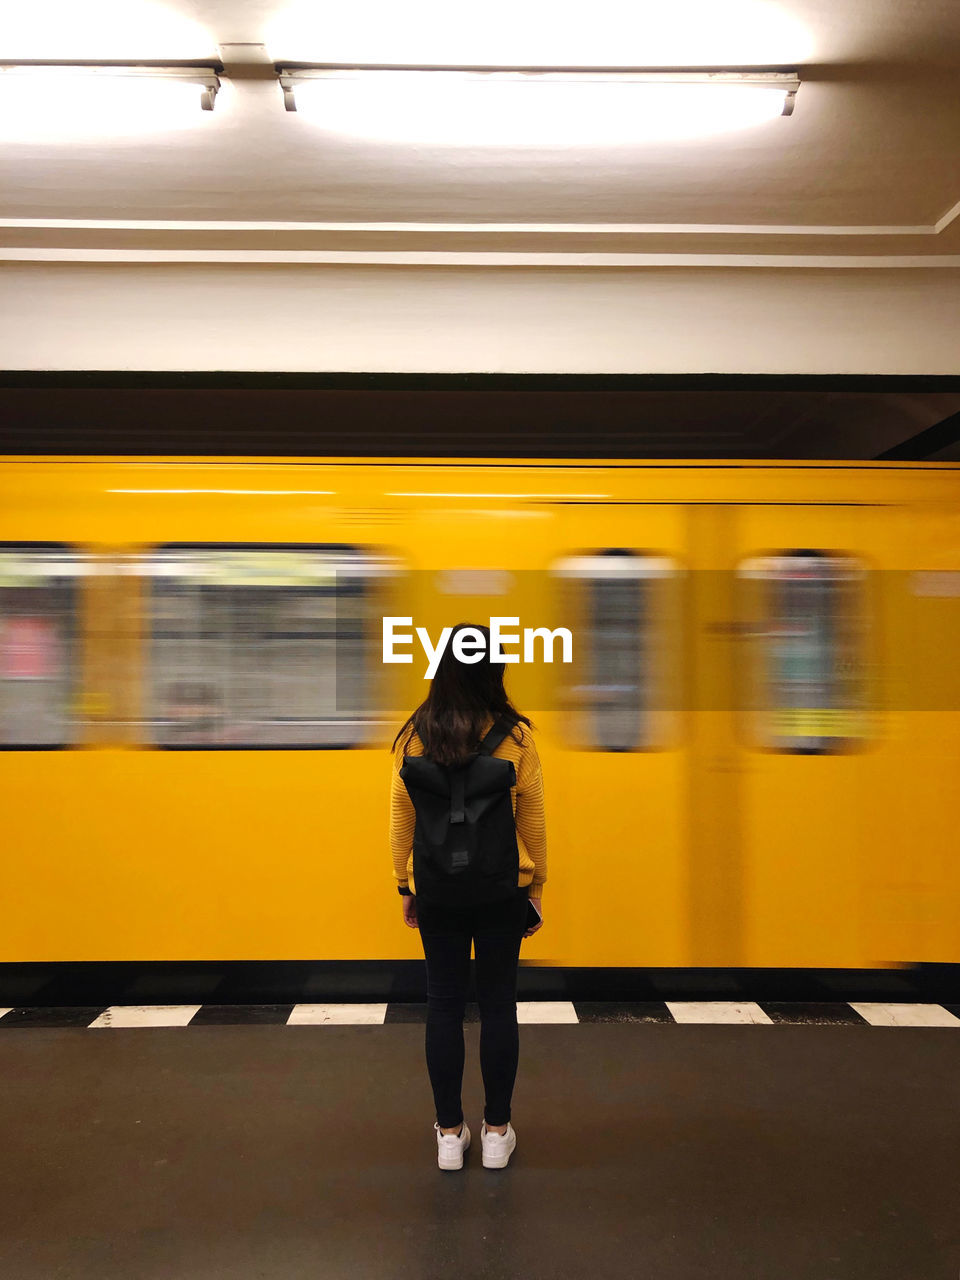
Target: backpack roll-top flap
(421,774)
(487,789)
(488,775)
(484,774)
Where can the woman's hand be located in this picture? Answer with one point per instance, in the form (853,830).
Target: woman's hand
(534,928)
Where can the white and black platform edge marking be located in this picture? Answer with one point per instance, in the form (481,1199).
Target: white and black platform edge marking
(307,1015)
(713,1011)
(529,1013)
(47,1016)
(542,1011)
(812,1013)
(622,1011)
(243,1015)
(146,1015)
(905,1015)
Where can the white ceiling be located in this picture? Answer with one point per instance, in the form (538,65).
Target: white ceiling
(869,163)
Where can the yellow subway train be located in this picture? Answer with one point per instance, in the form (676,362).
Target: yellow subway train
(751,758)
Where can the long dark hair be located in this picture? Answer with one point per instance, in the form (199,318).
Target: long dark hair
(451,719)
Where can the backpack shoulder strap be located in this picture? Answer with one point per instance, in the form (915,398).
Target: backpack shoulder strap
(494,737)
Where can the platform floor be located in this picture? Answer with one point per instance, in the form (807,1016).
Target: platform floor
(655,1149)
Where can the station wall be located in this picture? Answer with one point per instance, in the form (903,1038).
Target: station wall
(375,318)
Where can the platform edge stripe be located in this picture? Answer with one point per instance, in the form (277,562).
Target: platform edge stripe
(889,1014)
(794,1019)
(546,1011)
(725,1012)
(797,1018)
(338,1015)
(145,1015)
(624,1011)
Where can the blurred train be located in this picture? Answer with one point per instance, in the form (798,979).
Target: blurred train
(752,759)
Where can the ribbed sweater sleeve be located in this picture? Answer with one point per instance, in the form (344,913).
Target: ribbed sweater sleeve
(402,819)
(531,821)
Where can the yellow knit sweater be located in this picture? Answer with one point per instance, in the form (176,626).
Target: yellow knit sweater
(527,798)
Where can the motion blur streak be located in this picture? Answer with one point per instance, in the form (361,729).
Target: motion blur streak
(756,743)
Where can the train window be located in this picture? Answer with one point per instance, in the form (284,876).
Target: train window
(808,624)
(619,674)
(39,648)
(254,646)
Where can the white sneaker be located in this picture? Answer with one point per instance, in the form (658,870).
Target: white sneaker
(451,1146)
(497,1147)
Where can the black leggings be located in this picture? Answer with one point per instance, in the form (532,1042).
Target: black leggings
(496,930)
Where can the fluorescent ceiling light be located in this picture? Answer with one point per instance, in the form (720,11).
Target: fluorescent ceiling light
(61,102)
(100,31)
(464,106)
(538,33)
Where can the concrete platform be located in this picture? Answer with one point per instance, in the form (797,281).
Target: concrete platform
(646,1149)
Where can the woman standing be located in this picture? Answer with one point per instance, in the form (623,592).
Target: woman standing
(466,700)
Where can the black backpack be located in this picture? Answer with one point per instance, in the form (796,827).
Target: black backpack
(465,839)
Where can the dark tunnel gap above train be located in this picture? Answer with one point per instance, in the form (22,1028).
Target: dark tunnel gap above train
(490,416)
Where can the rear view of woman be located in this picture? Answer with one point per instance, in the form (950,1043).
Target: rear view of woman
(467,714)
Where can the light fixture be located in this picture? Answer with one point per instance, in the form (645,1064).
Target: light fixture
(549,106)
(536,33)
(61,100)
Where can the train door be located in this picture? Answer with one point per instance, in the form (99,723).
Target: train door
(804,653)
(616,784)
(471,561)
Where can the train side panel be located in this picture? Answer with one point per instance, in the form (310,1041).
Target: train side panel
(682,840)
